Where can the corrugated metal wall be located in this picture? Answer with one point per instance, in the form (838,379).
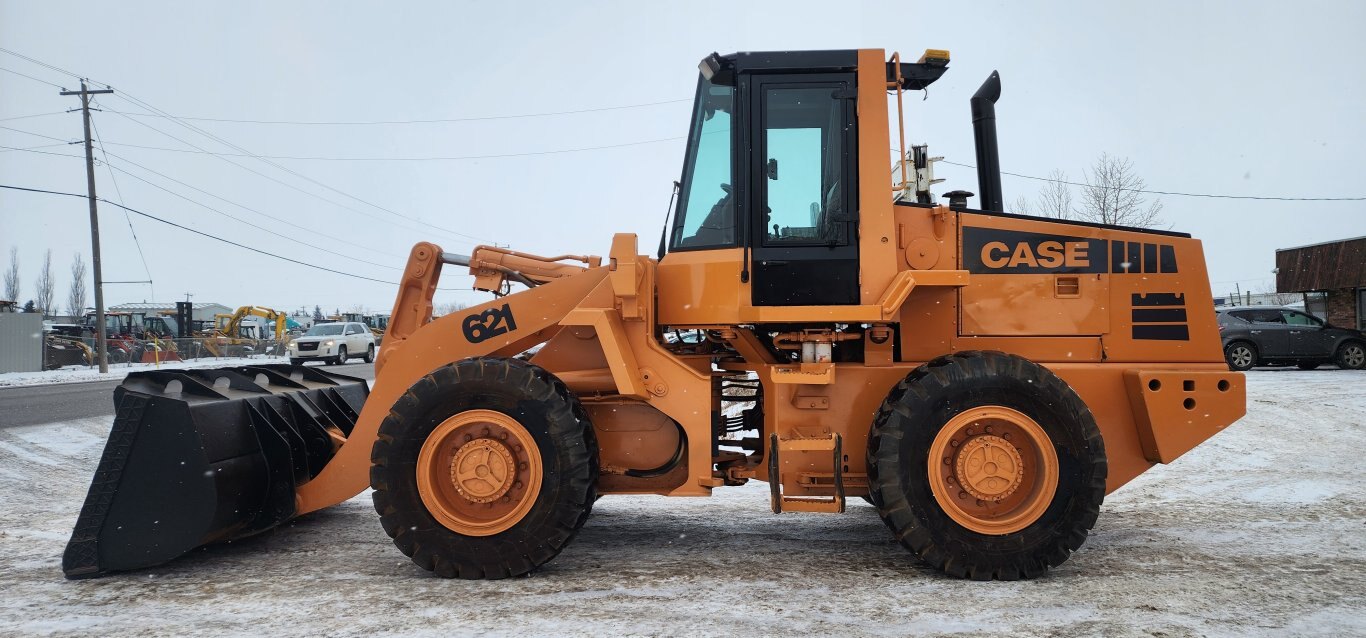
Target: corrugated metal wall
(21,342)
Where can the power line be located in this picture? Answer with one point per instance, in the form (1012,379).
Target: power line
(274,218)
(51,84)
(42,64)
(7,149)
(1176,193)
(401,159)
(203,234)
(49,137)
(483,118)
(118,191)
(247,223)
(273,179)
(33,149)
(25,117)
(135,100)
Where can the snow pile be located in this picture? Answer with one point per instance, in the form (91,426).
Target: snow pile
(1260,531)
(117,371)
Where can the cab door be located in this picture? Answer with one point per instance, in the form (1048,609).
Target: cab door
(804,185)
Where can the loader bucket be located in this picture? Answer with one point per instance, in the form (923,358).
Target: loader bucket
(197,457)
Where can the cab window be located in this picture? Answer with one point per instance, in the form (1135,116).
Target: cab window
(706,205)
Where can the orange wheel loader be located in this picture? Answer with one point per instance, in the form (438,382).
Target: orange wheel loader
(983,378)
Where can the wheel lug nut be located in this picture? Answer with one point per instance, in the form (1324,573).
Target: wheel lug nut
(980,502)
(948,461)
(962,495)
(521,466)
(953,442)
(1006,436)
(988,429)
(503,436)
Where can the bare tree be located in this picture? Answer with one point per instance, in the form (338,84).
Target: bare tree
(75,297)
(12,275)
(1055,199)
(443,309)
(1111,195)
(1021,206)
(47,286)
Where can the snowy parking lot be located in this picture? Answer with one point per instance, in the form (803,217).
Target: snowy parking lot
(1260,531)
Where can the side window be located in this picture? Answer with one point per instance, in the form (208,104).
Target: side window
(1299,319)
(1267,316)
(804,158)
(706,213)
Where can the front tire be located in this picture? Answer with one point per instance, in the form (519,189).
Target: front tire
(486,468)
(987,466)
(1351,356)
(341,355)
(1240,356)
(370,354)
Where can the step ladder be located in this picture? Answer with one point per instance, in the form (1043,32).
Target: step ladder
(777,446)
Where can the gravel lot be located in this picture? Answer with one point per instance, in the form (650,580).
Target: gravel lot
(1260,531)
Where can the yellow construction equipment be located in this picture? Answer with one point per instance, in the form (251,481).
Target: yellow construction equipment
(983,378)
(232,336)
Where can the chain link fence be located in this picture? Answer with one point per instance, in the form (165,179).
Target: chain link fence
(62,351)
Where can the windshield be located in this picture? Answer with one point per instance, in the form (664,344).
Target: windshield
(706,209)
(325,329)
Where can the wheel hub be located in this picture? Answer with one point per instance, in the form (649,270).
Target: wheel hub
(483,470)
(479,472)
(989,468)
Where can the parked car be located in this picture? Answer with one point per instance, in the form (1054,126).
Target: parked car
(1269,335)
(333,343)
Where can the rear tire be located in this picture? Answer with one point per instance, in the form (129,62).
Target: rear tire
(1037,476)
(434,514)
(1351,356)
(1240,356)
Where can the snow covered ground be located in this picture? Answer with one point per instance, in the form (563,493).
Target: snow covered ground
(117,371)
(1260,531)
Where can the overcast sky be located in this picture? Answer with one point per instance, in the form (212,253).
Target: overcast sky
(1237,98)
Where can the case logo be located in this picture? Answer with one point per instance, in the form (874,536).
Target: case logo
(1013,252)
(482,326)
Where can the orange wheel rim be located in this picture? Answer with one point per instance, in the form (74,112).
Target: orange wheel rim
(479,472)
(993,470)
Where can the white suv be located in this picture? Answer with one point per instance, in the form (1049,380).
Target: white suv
(333,343)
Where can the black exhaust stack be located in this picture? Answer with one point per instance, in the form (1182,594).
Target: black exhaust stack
(984,133)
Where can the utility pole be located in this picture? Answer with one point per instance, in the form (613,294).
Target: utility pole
(100,348)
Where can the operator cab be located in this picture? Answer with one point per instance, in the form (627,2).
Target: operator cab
(772,167)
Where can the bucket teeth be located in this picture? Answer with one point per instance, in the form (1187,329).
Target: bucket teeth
(197,457)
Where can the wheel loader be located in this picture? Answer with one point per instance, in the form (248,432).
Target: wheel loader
(984,379)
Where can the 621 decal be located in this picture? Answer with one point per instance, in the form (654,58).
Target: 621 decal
(488,324)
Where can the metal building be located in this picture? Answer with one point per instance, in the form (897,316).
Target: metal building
(1336,271)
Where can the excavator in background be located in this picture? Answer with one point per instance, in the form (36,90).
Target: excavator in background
(377,323)
(233,336)
(983,378)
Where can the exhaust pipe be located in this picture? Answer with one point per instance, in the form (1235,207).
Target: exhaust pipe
(984,134)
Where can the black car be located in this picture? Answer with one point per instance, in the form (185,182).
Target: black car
(1268,335)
